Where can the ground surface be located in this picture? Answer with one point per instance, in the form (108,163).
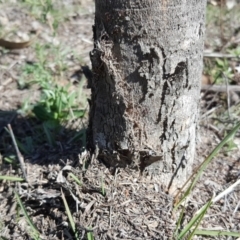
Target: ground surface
(105,205)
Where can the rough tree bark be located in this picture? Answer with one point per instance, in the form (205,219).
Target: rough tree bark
(147,65)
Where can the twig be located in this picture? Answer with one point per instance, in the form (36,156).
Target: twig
(222,194)
(226,191)
(228,95)
(110,217)
(220,88)
(19,155)
(206,114)
(218,55)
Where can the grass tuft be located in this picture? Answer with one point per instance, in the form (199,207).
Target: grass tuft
(196,220)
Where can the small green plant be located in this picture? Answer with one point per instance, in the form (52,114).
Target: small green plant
(191,228)
(45,11)
(234,51)
(42,53)
(57,104)
(224,67)
(35,74)
(56,54)
(60,53)
(26,108)
(42,72)
(220,70)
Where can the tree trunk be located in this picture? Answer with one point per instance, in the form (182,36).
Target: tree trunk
(147,65)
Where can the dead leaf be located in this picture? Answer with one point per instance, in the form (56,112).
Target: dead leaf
(16,45)
(13,45)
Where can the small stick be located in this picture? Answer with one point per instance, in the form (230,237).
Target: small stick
(19,155)
(220,88)
(228,96)
(218,55)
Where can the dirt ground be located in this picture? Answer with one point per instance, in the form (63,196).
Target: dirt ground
(119,205)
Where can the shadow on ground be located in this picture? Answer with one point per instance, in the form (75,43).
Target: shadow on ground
(40,142)
(46,151)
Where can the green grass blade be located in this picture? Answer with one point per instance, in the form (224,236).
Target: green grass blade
(31,224)
(75,178)
(179,221)
(22,147)
(194,220)
(72,223)
(81,135)
(29,142)
(202,214)
(48,134)
(79,113)
(11,178)
(203,166)
(90,235)
(216,233)
(11,159)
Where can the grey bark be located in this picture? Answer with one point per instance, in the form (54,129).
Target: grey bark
(147,65)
